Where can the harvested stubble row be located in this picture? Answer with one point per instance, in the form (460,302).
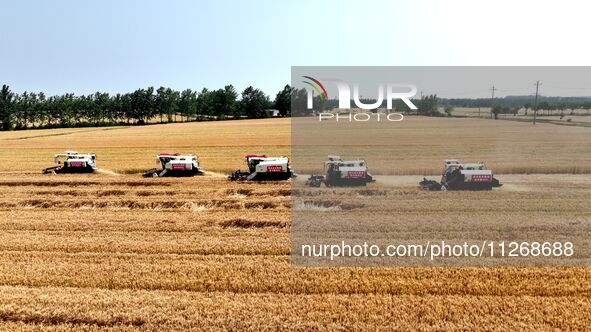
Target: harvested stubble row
(218,258)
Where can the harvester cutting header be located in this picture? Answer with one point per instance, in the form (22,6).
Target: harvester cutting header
(175,164)
(458,176)
(72,162)
(342,173)
(337,172)
(261,168)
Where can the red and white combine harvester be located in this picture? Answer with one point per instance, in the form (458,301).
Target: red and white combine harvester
(175,164)
(342,173)
(72,162)
(458,176)
(262,168)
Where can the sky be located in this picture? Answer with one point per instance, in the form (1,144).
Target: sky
(112,46)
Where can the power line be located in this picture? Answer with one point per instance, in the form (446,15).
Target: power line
(567,87)
(492,101)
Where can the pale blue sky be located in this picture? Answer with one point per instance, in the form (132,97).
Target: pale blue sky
(117,46)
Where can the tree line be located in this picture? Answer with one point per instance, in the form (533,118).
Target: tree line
(149,105)
(527,102)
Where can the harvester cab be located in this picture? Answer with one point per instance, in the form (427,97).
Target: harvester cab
(175,164)
(261,167)
(458,176)
(72,162)
(342,173)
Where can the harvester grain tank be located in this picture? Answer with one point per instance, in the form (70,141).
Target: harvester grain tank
(263,168)
(175,164)
(72,162)
(342,173)
(458,176)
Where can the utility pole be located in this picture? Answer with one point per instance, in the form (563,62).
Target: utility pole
(536,101)
(492,100)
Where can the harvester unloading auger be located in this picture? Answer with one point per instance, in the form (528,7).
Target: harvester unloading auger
(263,168)
(458,176)
(72,162)
(342,173)
(175,164)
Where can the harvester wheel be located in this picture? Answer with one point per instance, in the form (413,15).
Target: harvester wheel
(152,173)
(238,176)
(315,181)
(50,170)
(431,185)
(496,183)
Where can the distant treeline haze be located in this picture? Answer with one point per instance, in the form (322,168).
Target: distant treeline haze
(429,105)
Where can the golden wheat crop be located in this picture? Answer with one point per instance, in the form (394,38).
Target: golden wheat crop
(221,145)
(120,252)
(418,145)
(125,253)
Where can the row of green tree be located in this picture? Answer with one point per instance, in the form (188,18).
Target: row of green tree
(36,110)
(527,102)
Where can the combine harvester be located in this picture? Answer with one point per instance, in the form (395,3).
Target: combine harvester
(342,173)
(263,168)
(458,176)
(72,162)
(175,164)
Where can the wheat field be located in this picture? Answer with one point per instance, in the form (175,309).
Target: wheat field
(220,145)
(119,252)
(418,145)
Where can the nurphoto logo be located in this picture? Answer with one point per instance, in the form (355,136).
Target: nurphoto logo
(344,93)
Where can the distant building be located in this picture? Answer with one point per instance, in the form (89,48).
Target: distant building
(273,113)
